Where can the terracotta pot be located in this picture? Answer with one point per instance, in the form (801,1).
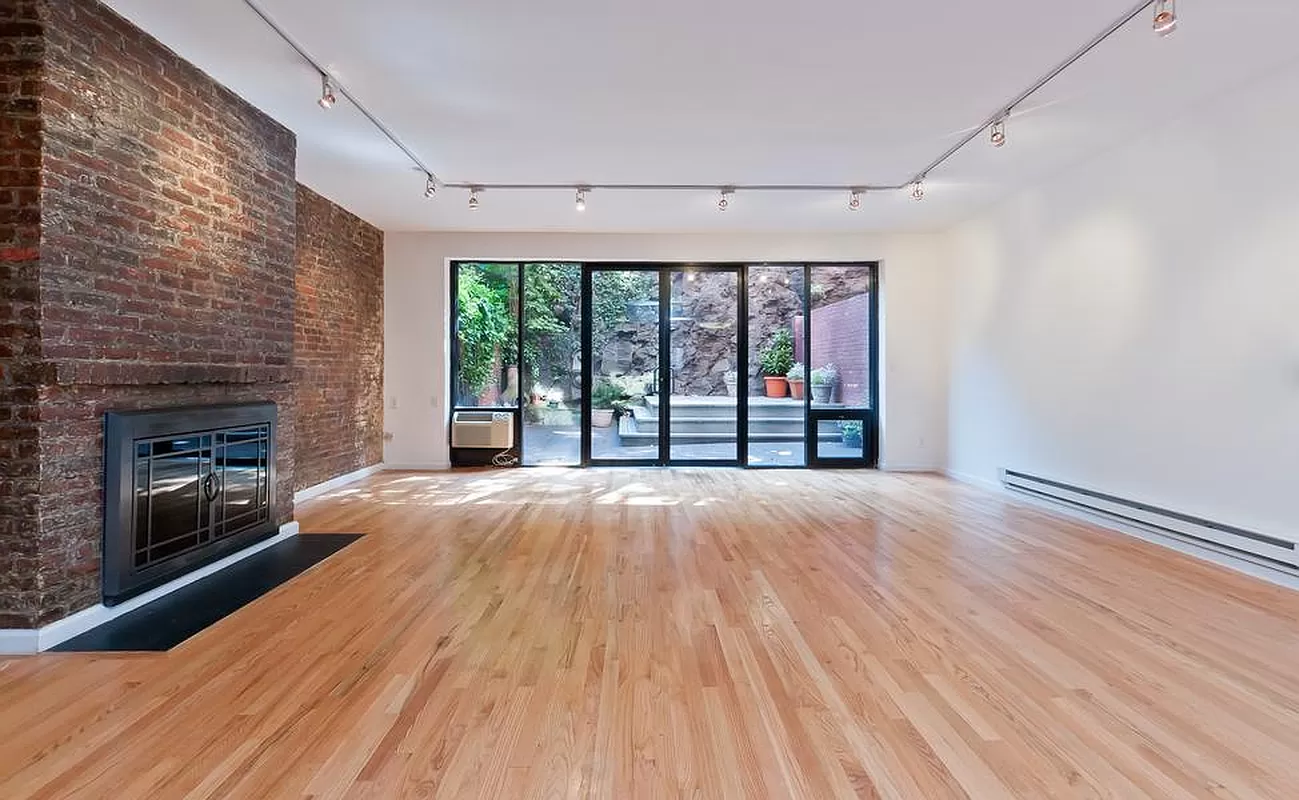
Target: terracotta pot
(776,385)
(796,389)
(602,417)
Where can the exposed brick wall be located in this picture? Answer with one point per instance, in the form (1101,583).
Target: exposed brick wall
(21,48)
(338,341)
(167,226)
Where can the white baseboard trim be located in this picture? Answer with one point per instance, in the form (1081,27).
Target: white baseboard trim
(27,642)
(1222,557)
(418,466)
(336,483)
(911,468)
(1205,551)
(974,480)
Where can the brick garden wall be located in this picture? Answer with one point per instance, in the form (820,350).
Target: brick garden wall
(841,336)
(338,341)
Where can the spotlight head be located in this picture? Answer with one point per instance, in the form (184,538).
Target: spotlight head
(327,98)
(473,199)
(430,188)
(1165,17)
(918,190)
(854,200)
(724,201)
(998,136)
(580,202)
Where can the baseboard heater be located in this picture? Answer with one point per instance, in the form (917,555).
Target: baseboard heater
(1160,520)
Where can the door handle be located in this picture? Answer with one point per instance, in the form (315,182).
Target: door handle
(210,488)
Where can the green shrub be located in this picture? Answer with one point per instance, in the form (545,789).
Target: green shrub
(777,358)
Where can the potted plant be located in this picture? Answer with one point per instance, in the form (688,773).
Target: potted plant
(795,378)
(605,398)
(731,379)
(851,430)
(776,360)
(823,383)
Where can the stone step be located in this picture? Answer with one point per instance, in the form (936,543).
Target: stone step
(631,431)
(724,407)
(717,425)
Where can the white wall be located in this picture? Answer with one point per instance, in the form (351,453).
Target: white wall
(913,342)
(1133,325)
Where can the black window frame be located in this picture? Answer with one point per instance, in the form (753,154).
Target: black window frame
(868,416)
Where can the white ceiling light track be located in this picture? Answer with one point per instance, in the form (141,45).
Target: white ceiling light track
(1165,22)
(330,87)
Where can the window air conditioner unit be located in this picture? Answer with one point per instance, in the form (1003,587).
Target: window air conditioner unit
(491,430)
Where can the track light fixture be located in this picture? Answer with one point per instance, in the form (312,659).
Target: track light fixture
(1165,16)
(473,199)
(918,190)
(327,98)
(724,201)
(430,187)
(998,136)
(854,200)
(580,202)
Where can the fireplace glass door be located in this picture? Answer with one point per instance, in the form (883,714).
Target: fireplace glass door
(180,493)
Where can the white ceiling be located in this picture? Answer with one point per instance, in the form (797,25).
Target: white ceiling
(729,91)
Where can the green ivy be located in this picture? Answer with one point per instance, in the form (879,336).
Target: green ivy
(485,326)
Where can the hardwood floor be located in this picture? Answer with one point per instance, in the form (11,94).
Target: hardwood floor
(706,633)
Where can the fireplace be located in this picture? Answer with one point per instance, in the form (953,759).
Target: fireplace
(182,488)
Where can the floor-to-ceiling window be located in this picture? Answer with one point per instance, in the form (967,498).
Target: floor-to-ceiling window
(775,381)
(552,364)
(757,365)
(624,345)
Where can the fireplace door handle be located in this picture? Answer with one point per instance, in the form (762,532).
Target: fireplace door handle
(210,487)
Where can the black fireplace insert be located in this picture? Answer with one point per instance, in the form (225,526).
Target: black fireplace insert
(182,488)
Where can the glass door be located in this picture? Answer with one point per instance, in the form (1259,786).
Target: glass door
(702,410)
(552,364)
(775,382)
(622,366)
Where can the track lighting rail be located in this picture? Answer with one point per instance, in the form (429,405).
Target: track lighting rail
(681,187)
(1003,112)
(332,82)
(1165,23)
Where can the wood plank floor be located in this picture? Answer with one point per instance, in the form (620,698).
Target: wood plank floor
(691,633)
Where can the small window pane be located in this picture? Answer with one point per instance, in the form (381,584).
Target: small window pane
(487,335)
(840,438)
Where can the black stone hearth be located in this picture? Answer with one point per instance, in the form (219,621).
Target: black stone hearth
(170,620)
